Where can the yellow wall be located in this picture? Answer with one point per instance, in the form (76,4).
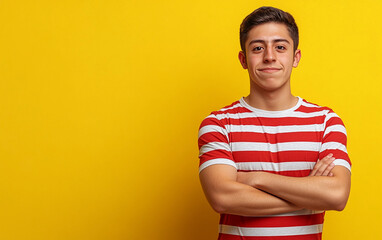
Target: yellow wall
(100,103)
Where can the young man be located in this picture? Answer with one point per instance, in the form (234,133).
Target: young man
(272,163)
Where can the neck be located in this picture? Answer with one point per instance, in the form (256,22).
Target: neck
(277,100)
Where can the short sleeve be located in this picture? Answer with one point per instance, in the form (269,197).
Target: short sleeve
(213,141)
(335,140)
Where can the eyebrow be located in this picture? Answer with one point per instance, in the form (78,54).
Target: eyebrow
(274,41)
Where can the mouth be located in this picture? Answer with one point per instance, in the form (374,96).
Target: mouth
(269,70)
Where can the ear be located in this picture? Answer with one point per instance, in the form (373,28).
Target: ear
(243,60)
(296,58)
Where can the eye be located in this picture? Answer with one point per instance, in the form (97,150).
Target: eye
(257,48)
(280,48)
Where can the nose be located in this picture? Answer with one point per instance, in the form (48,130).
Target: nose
(269,55)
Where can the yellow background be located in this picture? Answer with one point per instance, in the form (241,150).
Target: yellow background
(100,104)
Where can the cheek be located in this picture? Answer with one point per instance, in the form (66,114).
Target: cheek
(287,62)
(253,61)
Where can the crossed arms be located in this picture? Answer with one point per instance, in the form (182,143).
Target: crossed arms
(261,193)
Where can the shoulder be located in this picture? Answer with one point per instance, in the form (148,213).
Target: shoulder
(229,111)
(232,108)
(216,121)
(325,112)
(309,107)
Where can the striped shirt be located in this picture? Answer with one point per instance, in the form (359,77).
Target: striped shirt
(287,142)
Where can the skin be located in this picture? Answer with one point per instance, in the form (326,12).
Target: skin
(269,60)
(232,192)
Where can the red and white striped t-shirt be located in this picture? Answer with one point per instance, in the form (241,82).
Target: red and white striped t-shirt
(287,142)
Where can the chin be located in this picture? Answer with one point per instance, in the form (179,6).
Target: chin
(271,89)
(271,86)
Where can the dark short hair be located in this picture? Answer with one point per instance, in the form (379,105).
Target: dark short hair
(265,15)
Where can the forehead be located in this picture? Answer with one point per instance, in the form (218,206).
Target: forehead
(268,32)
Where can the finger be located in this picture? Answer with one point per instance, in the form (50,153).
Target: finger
(325,167)
(321,165)
(314,170)
(328,170)
(325,164)
(318,165)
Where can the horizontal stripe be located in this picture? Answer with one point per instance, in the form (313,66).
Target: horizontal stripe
(277,167)
(265,156)
(341,162)
(211,146)
(211,155)
(212,128)
(270,115)
(309,105)
(331,115)
(335,128)
(333,121)
(276,138)
(272,231)
(335,137)
(306,109)
(233,106)
(287,146)
(281,221)
(316,236)
(217,161)
(296,173)
(333,146)
(274,130)
(212,137)
(275,121)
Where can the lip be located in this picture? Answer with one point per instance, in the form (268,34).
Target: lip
(269,70)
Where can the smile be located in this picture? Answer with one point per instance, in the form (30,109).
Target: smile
(269,70)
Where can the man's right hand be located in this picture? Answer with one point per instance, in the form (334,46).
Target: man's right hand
(324,166)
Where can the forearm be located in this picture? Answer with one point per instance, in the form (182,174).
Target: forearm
(312,192)
(229,196)
(243,200)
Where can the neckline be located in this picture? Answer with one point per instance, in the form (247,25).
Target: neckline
(267,112)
